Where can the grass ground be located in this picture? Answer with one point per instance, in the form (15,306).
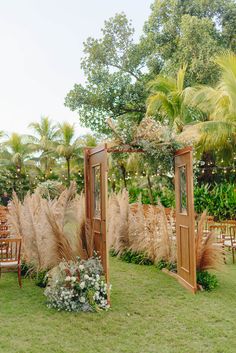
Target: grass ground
(151,313)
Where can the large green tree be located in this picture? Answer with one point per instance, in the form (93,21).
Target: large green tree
(166,101)
(218,134)
(114,68)
(191,32)
(117,69)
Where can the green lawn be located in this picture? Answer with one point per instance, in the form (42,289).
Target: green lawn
(150,313)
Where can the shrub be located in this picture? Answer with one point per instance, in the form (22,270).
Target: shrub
(77,286)
(41,279)
(171,266)
(50,189)
(207,280)
(25,269)
(219,200)
(135,258)
(164,195)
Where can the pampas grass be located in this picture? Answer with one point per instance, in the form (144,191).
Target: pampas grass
(209,254)
(139,228)
(51,230)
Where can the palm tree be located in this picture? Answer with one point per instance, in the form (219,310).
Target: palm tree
(44,140)
(16,152)
(219,105)
(166,100)
(15,160)
(68,146)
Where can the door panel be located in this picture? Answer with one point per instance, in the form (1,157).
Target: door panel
(96,201)
(185,231)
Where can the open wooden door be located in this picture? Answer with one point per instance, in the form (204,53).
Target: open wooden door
(96,202)
(185,230)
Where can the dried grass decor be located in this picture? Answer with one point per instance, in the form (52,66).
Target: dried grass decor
(52,230)
(140,229)
(209,253)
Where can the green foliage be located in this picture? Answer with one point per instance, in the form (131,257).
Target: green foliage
(50,189)
(207,280)
(161,194)
(11,180)
(43,141)
(190,32)
(219,200)
(135,258)
(68,146)
(218,104)
(41,279)
(171,266)
(112,66)
(25,268)
(166,101)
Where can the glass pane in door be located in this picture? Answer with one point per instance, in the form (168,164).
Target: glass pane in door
(183,189)
(97,191)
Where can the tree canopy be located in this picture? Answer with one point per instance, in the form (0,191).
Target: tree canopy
(117,69)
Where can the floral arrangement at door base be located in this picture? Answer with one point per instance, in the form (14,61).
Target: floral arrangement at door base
(77,286)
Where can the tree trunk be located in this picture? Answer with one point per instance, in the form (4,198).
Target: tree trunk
(68,170)
(150,190)
(123,171)
(113,186)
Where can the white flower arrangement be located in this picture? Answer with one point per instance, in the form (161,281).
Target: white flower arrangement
(77,286)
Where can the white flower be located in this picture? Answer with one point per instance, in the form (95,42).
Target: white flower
(86,277)
(81,267)
(82,299)
(73,279)
(67,278)
(82,285)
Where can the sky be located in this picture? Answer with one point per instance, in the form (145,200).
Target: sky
(41,44)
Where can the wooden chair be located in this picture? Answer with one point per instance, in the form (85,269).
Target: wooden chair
(232,231)
(218,231)
(3,214)
(4,230)
(229,236)
(209,221)
(10,253)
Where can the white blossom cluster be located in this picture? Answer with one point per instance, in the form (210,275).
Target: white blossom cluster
(77,286)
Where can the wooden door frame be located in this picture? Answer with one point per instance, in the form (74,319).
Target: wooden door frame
(88,152)
(186,221)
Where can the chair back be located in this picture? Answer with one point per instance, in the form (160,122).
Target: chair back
(3,214)
(232,232)
(4,230)
(218,230)
(10,250)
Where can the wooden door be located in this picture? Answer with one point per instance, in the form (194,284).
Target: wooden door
(96,202)
(185,220)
